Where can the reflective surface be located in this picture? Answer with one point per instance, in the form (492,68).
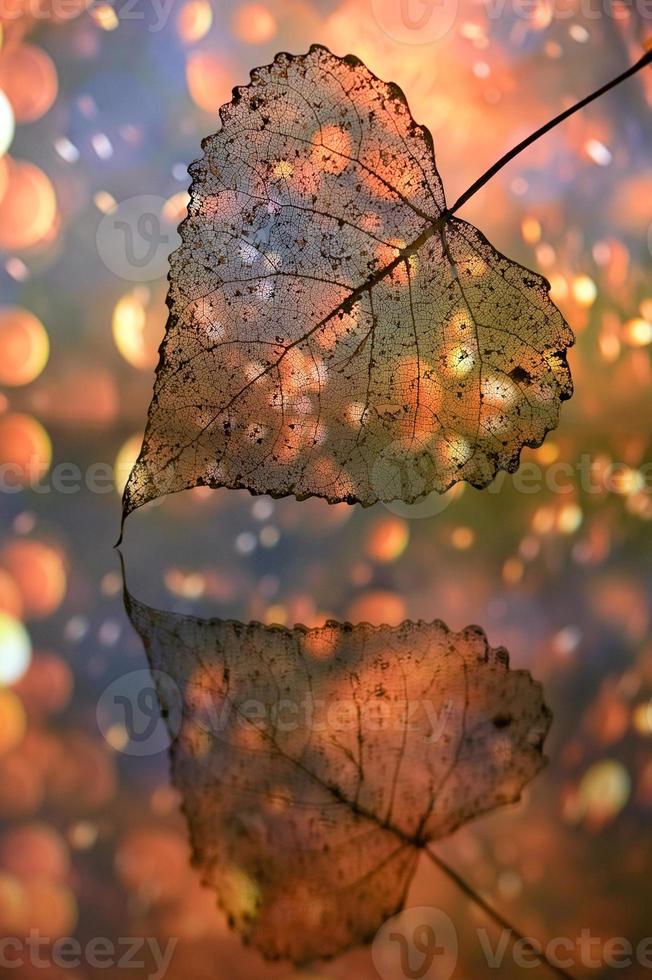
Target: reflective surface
(552,562)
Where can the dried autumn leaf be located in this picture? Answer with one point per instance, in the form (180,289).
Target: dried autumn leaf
(314,764)
(334,330)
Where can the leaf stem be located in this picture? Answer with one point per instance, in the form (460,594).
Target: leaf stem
(493,914)
(514,152)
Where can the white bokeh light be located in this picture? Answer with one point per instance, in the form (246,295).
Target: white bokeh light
(15,649)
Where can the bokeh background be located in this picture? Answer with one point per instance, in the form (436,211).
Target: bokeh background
(105,103)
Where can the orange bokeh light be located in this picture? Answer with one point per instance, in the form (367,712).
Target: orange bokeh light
(4,176)
(82,775)
(137,330)
(35,850)
(208,81)
(78,393)
(21,787)
(39,572)
(13,721)
(52,907)
(24,346)
(25,449)
(28,78)
(28,207)
(388,539)
(152,862)
(637,332)
(125,460)
(10,598)
(254,24)
(377,607)
(47,684)
(194,20)
(13,904)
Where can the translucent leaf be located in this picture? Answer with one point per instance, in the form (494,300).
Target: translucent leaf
(334,330)
(314,764)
